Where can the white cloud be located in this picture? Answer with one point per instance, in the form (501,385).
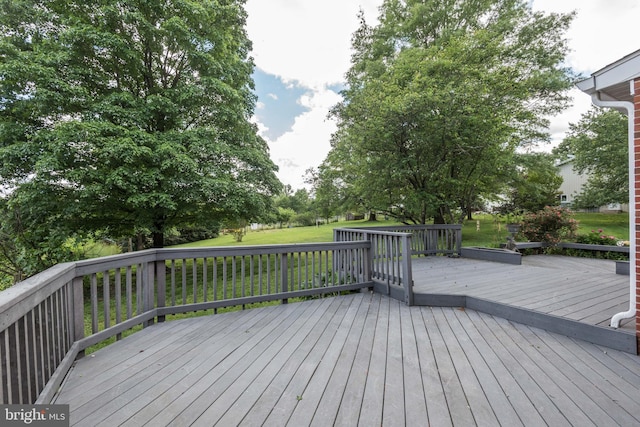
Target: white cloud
(307,144)
(307,41)
(273,96)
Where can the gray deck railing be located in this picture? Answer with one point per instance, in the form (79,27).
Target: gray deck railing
(427,239)
(48,320)
(390,259)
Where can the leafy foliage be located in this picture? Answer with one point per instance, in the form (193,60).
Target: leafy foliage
(549,225)
(439,96)
(597,238)
(599,145)
(133,116)
(535,183)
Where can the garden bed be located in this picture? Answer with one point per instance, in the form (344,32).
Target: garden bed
(492,254)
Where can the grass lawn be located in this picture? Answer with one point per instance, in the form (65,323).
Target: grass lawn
(483,230)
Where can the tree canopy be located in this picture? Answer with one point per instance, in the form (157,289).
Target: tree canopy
(134,115)
(599,146)
(440,94)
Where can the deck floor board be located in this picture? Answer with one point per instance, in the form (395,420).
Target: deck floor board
(365,359)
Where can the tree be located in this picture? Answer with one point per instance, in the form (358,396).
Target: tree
(439,96)
(535,184)
(599,145)
(136,114)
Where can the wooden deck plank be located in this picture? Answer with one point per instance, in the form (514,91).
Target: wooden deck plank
(349,410)
(178,378)
(313,393)
(498,401)
(269,397)
(414,395)
(295,389)
(373,396)
(595,377)
(140,377)
(562,391)
(522,369)
(454,393)
(474,394)
(437,410)
(334,393)
(494,356)
(293,350)
(394,393)
(583,391)
(215,379)
(258,373)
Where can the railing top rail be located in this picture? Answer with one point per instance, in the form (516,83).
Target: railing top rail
(408,227)
(169,253)
(373,230)
(18,299)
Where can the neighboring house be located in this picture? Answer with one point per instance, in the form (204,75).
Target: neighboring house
(572,184)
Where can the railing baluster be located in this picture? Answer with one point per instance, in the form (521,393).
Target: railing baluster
(205,267)
(118,291)
(106,300)
(183,270)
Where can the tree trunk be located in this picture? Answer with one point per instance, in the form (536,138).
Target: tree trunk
(372,216)
(158,239)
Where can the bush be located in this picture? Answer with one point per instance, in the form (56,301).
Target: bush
(597,238)
(550,225)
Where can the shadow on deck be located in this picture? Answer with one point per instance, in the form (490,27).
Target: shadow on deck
(572,296)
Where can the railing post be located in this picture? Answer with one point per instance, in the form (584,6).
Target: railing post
(407,276)
(284,276)
(459,240)
(77,287)
(161,274)
(148,280)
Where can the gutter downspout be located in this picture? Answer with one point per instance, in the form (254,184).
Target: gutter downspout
(595,99)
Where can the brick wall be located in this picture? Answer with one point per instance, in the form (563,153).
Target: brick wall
(636,150)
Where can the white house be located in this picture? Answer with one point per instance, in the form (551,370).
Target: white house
(572,184)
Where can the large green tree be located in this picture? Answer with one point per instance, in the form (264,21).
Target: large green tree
(439,96)
(534,185)
(599,146)
(134,114)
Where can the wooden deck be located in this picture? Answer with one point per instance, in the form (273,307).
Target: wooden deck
(366,359)
(361,359)
(582,289)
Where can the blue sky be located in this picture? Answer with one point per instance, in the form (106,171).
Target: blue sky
(301,50)
(278,103)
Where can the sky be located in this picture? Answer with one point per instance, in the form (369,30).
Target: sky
(302,50)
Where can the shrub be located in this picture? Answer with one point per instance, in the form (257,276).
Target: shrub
(597,238)
(550,225)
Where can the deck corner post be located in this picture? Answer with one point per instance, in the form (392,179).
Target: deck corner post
(78,311)
(148,281)
(161,274)
(407,275)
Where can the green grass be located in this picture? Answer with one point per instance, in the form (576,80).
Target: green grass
(490,233)
(322,233)
(483,230)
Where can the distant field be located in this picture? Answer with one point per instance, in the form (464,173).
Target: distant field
(489,233)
